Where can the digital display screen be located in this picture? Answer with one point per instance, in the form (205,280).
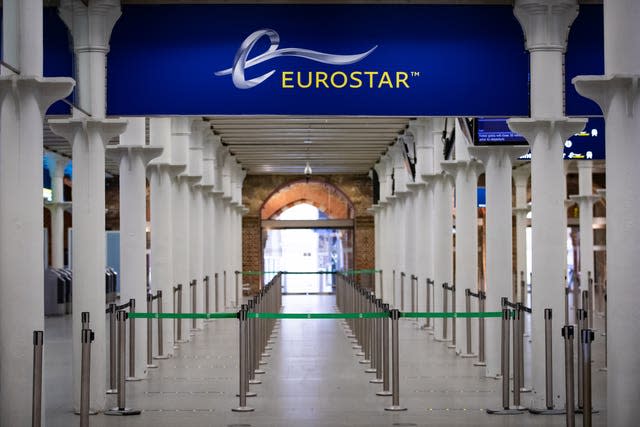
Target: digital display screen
(496,132)
(588,144)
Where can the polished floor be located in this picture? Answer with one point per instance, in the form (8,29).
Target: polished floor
(312,379)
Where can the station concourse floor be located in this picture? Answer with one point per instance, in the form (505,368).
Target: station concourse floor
(312,379)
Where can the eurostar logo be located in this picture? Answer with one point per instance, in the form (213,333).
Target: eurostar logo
(317,79)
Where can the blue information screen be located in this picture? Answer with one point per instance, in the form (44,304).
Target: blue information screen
(588,144)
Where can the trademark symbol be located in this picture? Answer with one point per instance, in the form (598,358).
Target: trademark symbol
(415,74)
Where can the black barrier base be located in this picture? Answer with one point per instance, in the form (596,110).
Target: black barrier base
(580,411)
(249,394)
(122,411)
(243,409)
(509,411)
(547,411)
(376,381)
(384,393)
(395,408)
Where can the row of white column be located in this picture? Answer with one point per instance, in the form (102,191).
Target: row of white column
(415,230)
(196,199)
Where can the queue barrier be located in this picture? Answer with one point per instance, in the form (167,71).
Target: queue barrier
(370,315)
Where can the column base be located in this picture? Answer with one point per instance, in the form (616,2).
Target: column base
(547,411)
(514,410)
(243,409)
(395,408)
(122,411)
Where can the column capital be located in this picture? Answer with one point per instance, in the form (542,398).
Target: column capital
(521,174)
(105,129)
(546,23)
(521,212)
(454,167)
(602,89)
(46,90)
(90,25)
(502,154)
(170,169)
(531,128)
(602,193)
(57,205)
(146,152)
(584,199)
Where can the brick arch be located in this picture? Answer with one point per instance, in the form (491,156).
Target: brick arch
(323,195)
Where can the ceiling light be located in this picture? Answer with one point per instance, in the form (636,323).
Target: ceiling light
(307,169)
(307,141)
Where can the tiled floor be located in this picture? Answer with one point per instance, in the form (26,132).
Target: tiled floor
(312,379)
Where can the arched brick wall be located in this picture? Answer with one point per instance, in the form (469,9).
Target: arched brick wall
(339,196)
(323,195)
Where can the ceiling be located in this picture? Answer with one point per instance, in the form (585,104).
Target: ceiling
(283,144)
(331,144)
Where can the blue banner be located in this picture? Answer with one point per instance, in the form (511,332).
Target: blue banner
(585,56)
(405,60)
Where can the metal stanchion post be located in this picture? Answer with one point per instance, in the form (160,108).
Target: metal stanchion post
(592,299)
(85,319)
(428,323)
(414,280)
(243,381)
(567,333)
(517,349)
(523,292)
(237,285)
(132,343)
(224,289)
(467,307)
(445,309)
(567,291)
(586,306)
(548,362)
(385,353)
(161,354)
(523,312)
(371,335)
(381,285)
(393,287)
(506,410)
(85,377)
(378,343)
(36,397)
(121,409)
(207,297)
(481,302)
(216,305)
(581,317)
(402,275)
(178,310)
(604,368)
(452,288)
(113,354)
(586,339)
(150,363)
(194,305)
(395,350)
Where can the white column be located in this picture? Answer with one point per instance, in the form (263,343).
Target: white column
(443,248)
(133,157)
(546,24)
(497,171)
(521,179)
(585,200)
(206,186)
(617,94)
(91,29)
(181,200)
(161,172)
(466,253)
(424,142)
(24,99)
(57,207)
(196,206)
(384,247)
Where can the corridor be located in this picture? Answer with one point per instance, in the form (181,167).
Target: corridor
(312,379)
